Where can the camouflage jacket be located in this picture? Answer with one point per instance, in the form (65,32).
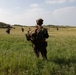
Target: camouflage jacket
(38,35)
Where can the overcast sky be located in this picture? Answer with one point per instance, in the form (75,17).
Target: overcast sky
(25,12)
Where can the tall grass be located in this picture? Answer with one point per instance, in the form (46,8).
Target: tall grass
(17,56)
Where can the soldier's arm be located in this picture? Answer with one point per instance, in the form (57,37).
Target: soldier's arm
(46,35)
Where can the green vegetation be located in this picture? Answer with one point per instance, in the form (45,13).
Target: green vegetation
(17,56)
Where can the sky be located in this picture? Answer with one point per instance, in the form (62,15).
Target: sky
(26,12)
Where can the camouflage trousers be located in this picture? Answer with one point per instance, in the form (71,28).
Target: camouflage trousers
(41,48)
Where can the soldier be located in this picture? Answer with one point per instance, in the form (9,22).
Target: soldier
(57,28)
(22,29)
(38,38)
(8,29)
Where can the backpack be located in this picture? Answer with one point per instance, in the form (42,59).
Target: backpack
(41,34)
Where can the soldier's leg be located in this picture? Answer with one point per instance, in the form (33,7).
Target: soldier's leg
(44,53)
(36,51)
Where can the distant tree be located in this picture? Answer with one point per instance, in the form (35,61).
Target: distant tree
(4,25)
(17,25)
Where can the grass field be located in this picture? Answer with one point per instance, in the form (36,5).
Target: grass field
(17,56)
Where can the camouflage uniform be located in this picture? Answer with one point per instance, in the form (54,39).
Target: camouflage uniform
(38,38)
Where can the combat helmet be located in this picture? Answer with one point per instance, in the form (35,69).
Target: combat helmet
(40,20)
